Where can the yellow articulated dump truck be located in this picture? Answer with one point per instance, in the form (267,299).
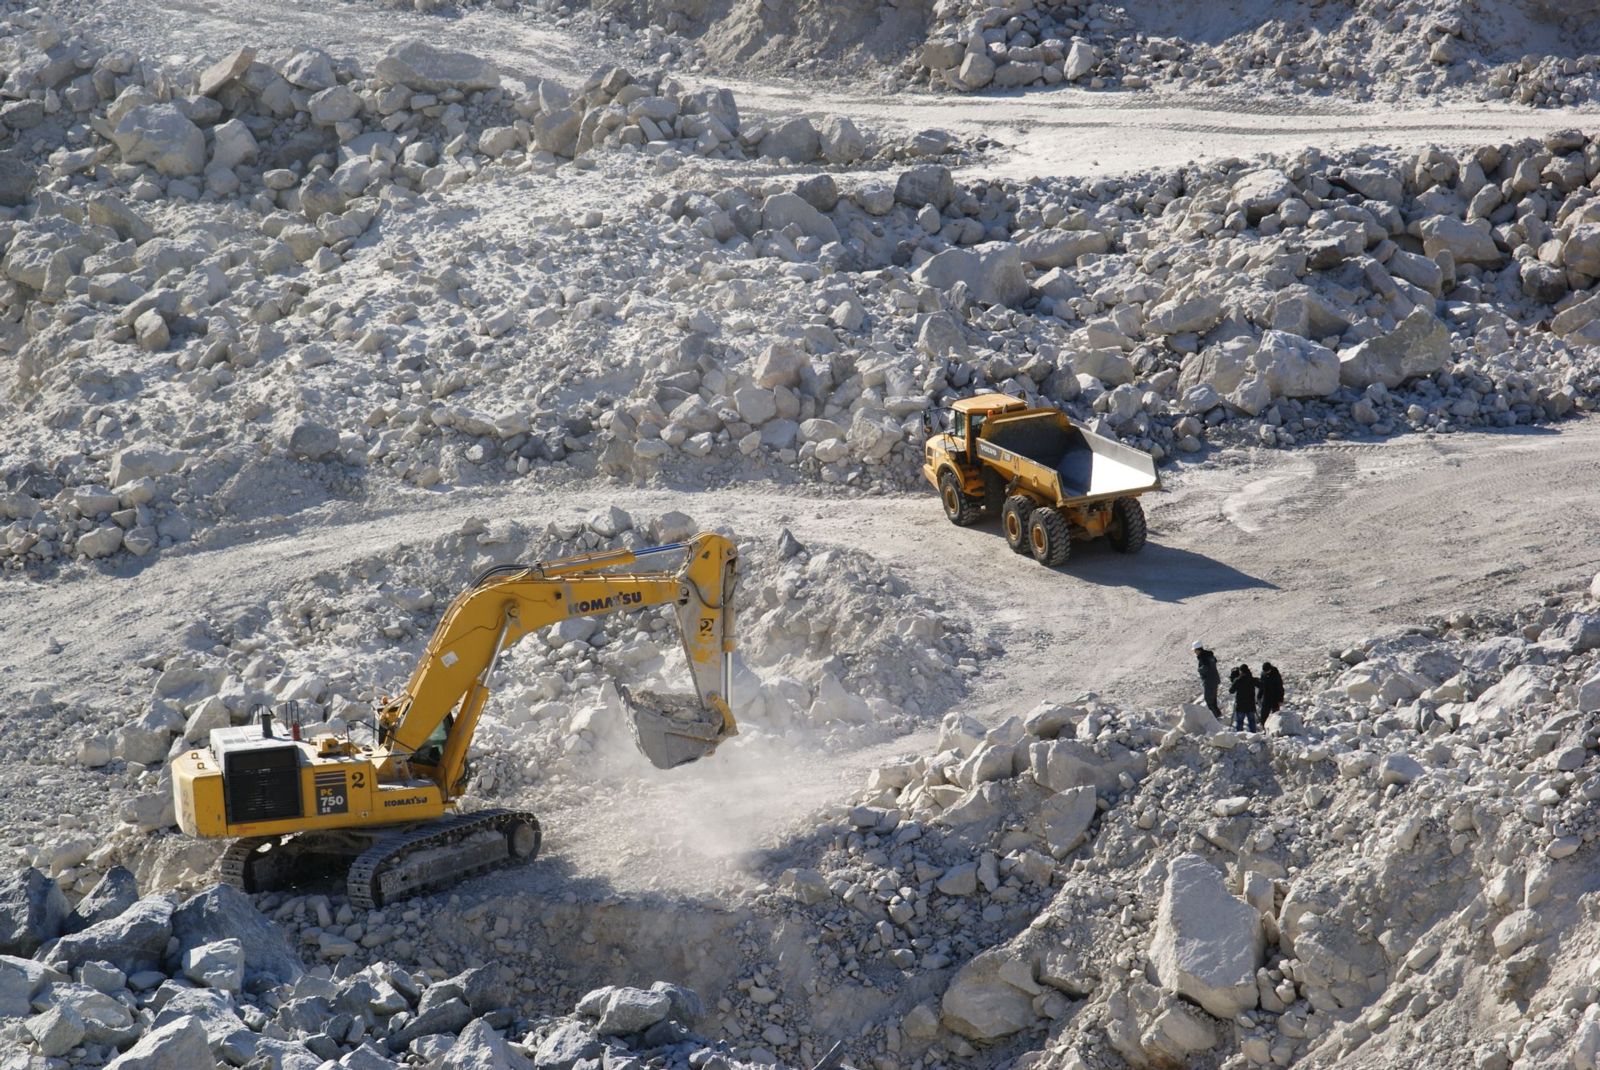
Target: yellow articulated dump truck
(1050,480)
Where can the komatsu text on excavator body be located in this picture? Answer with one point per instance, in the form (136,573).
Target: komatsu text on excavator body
(387,808)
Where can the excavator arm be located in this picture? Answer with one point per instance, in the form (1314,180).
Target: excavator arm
(431,724)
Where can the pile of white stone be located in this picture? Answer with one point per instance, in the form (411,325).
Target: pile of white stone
(1378,51)
(1392,869)
(1274,301)
(173,225)
(1027,42)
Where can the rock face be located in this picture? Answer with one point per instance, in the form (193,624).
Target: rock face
(984,1001)
(163,137)
(1419,346)
(418,65)
(1208,944)
(32,910)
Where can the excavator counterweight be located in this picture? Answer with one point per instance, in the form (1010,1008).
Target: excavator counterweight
(388,811)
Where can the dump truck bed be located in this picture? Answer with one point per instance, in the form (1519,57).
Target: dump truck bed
(1061,461)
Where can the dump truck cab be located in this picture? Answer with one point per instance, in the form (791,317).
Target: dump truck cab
(1048,479)
(955,450)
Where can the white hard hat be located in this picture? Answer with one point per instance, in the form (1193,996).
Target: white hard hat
(1197,645)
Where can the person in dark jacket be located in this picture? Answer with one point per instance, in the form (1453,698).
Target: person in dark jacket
(1271,691)
(1210,677)
(1243,688)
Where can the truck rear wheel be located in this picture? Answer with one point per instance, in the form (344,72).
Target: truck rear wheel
(1014,518)
(962,509)
(1127,533)
(1049,537)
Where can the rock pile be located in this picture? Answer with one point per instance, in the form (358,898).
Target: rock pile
(1532,53)
(1386,872)
(210,981)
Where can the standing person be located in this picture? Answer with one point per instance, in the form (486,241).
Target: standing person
(1210,676)
(1243,688)
(1271,691)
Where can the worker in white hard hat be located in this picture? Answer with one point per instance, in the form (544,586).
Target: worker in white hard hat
(1210,676)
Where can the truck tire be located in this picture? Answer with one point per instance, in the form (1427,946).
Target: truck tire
(1014,518)
(962,509)
(1127,532)
(1049,537)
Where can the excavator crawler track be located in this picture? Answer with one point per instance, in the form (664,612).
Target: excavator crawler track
(434,856)
(236,866)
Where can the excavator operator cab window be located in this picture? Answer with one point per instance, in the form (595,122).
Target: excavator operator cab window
(432,752)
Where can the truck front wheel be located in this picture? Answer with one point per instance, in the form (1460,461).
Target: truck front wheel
(962,509)
(1049,537)
(1014,518)
(1127,533)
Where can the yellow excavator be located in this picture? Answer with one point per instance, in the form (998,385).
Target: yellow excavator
(387,809)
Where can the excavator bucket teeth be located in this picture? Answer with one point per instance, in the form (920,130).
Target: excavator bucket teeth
(673,730)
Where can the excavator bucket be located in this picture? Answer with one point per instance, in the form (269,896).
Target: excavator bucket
(673,730)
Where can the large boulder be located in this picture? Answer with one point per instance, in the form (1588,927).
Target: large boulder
(1064,819)
(479,1047)
(132,941)
(928,183)
(1058,248)
(416,64)
(992,272)
(567,1046)
(1373,183)
(1222,366)
(178,1045)
(1467,243)
(784,209)
(990,997)
(1208,944)
(1259,193)
(223,912)
(1296,367)
(632,1010)
(144,460)
(1581,317)
(1581,252)
(842,141)
(1196,315)
(1419,346)
(795,139)
(163,137)
(556,131)
(32,910)
(1080,59)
